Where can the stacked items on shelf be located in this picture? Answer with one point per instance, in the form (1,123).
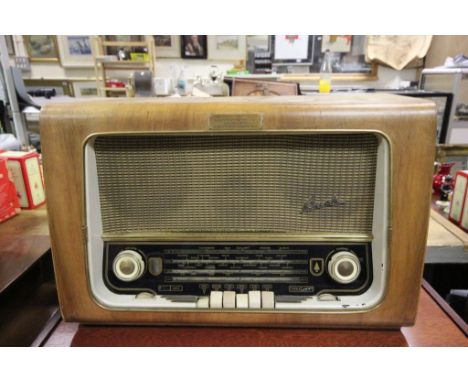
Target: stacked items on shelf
(130,56)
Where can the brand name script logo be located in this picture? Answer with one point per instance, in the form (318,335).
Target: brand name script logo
(312,204)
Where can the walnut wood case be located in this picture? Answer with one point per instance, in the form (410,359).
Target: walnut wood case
(407,123)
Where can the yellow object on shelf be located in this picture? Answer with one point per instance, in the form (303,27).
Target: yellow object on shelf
(325,73)
(142,57)
(324,86)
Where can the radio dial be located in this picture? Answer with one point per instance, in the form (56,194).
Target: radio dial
(128,265)
(344,267)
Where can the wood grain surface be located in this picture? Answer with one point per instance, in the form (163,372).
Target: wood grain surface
(23,240)
(433,327)
(408,123)
(453,229)
(439,235)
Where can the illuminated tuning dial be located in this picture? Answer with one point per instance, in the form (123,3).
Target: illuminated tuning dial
(128,265)
(344,267)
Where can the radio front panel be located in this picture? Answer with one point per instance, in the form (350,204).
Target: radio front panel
(198,269)
(177,220)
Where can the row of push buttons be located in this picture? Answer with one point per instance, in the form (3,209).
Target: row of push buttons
(231,300)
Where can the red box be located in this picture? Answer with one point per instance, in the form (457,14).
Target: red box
(26,172)
(9,204)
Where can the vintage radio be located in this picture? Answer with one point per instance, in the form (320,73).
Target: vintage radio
(280,211)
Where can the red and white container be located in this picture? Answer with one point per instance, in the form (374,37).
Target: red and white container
(9,204)
(25,170)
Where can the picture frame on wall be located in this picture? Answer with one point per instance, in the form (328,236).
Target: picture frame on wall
(194,46)
(42,48)
(84,89)
(337,43)
(166,46)
(292,49)
(227,47)
(75,50)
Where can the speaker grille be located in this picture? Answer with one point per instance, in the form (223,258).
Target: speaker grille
(250,183)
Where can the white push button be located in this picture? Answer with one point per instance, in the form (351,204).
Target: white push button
(216,300)
(268,300)
(255,299)
(242,301)
(229,300)
(203,303)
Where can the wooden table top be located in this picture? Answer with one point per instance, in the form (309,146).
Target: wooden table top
(23,240)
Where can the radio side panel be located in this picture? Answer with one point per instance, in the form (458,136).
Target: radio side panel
(409,125)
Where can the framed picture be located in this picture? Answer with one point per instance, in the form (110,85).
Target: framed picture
(194,46)
(337,43)
(75,51)
(227,47)
(292,49)
(42,48)
(10,45)
(62,87)
(443,102)
(82,89)
(166,46)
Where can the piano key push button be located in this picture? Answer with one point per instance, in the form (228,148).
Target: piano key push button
(268,300)
(203,302)
(242,301)
(216,300)
(229,300)
(255,299)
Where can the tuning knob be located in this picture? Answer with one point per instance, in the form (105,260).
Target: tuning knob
(344,267)
(128,265)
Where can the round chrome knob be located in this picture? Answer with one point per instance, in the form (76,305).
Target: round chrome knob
(128,265)
(344,267)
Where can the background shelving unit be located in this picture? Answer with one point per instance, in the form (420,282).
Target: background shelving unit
(106,70)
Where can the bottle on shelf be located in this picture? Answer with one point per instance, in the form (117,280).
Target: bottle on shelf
(325,73)
(181,84)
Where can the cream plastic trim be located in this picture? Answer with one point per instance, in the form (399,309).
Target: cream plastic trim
(366,301)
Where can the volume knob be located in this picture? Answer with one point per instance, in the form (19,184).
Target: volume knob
(344,267)
(128,265)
